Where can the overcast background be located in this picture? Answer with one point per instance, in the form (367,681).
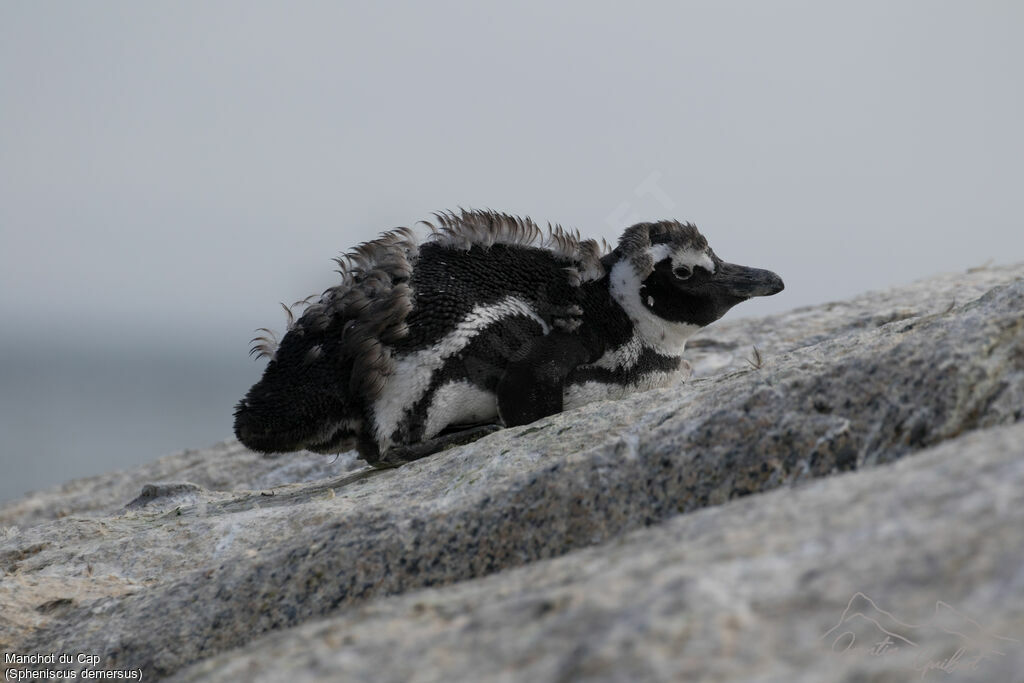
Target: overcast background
(170,171)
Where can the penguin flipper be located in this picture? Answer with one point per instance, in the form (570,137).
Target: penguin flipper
(532,385)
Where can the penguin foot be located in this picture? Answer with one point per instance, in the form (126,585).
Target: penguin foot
(398,455)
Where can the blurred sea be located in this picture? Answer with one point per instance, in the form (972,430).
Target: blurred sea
(69,412)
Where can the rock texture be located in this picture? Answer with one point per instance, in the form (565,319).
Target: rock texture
(766,588)
(171,567)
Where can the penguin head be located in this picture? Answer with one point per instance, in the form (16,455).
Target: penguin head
(299,402)
(671,283)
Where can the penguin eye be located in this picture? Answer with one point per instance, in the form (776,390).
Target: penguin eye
(682,272)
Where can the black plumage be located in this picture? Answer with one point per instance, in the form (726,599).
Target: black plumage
(490,322)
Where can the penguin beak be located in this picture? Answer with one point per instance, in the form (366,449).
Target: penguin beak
(745,282)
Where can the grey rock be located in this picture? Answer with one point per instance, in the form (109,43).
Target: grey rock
(156,494)
(227,466)
(766,588)
(232,551)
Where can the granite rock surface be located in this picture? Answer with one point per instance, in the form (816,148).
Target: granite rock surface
(443,569)
(925,556)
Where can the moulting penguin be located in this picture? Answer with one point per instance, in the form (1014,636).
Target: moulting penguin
(488,322)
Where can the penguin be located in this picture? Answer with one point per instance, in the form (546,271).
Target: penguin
(489,322)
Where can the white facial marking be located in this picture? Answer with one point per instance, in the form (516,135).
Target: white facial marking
(664,336)
(413,372)
(689,258)
(458,403)
(650,301)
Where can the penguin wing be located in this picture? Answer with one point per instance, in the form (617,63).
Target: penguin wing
(532,384)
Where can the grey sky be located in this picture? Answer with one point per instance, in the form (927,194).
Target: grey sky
(175,169)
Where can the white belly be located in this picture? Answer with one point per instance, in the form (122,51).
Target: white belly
(576,395)
(459,403)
